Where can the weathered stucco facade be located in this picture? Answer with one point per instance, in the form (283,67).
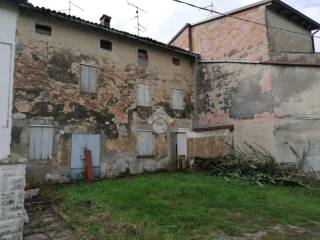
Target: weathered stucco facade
(139,104)
(259,79)
(48,93)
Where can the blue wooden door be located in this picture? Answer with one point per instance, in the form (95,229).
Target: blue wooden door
(80,142)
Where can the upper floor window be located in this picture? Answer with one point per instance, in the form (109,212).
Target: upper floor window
(43,29)
(88,79)
(176,61)
(143,56)
(105,44)
(143,95)
(177,99)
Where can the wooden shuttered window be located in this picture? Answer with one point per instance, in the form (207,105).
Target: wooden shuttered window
(89,75)
(144,98)
(41,142)
(145,143)
(177,99)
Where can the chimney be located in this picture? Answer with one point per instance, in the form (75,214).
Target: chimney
(105,21)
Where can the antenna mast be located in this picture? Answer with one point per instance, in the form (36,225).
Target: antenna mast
(211,8)
(139,27)
(73,4)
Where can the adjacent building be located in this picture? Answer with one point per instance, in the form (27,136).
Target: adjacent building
(258,81)
(12,171)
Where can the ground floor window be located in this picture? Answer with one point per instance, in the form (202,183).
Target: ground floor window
(145,143)
(41,142)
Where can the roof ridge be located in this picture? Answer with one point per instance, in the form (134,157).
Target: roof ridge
(54,13)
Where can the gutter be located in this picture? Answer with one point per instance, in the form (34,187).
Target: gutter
(110,30)
(279,63)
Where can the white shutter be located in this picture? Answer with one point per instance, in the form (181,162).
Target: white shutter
(180,100)
(145,143)
(41,142)
(174,99)
(47,142)
(88,82)
(177,99)
(144,98)
(84,83)
(92,85)
(140,95)
(147,98)
(182,144)
(35,143)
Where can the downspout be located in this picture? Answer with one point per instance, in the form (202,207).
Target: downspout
(190,37)
(313,45)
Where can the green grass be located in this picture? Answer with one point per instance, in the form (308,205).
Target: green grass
(182,206)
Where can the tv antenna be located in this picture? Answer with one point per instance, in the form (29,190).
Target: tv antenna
(71,4)
(139,27)
(210,8)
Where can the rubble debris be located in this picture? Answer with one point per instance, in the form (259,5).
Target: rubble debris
(253,165)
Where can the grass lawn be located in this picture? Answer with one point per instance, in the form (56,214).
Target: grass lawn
(183,206)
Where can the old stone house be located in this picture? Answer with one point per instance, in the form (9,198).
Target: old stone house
(83,85)
(258,81)
(138,104)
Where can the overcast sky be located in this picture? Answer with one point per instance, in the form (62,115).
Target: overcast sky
(164,17)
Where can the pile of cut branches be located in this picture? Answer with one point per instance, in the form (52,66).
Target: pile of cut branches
(254,164)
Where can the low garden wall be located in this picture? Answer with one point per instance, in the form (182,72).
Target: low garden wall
(12,213)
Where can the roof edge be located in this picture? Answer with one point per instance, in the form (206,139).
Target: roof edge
(127,35)
(287,6)
(179,32)
(234,11)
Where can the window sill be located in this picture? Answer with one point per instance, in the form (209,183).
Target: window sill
(145,157)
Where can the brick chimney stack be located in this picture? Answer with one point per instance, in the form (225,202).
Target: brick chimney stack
(105,21)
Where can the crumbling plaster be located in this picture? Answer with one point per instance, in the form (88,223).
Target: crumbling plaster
(47,86)
(287,41)
(270,106)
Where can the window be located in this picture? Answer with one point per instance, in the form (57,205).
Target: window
(143,95)
(143,56)
(176,61)
(88,82)
(41,142)
(105,44)
(43,29)
(177,99)
(145,143)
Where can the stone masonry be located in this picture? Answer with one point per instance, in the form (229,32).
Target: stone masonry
(47,92)
(12,213)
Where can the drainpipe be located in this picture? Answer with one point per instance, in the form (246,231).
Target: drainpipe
(190,37)
(313,34)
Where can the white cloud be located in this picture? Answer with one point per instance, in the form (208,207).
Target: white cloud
(164,18)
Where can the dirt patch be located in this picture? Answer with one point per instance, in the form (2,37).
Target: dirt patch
(281,232)
(44,222)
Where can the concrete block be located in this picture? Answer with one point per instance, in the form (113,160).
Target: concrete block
(12,213)
(15,236)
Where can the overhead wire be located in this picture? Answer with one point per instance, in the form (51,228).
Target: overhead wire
(242,19)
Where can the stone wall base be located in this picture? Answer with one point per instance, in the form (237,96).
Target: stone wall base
(12,212)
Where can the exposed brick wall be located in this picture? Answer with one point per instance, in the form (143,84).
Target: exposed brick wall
(230,39)
(12,179)
(182,40)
